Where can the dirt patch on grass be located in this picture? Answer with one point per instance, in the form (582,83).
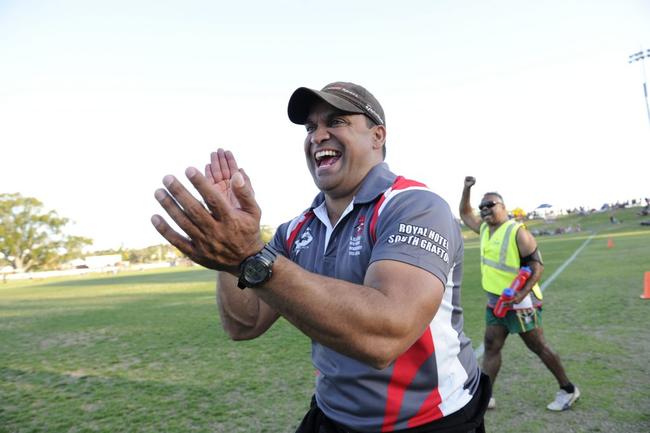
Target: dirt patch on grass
(81,338)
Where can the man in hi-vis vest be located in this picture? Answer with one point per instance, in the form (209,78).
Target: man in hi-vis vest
(506,246)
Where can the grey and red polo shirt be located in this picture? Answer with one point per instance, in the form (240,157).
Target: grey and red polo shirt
(390,218)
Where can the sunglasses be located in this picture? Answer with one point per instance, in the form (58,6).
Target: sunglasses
(488,204)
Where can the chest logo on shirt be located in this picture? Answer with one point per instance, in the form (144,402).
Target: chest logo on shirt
(355,246)
(304,240)
(423,238)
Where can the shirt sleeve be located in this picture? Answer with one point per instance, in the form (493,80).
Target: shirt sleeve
(418,228)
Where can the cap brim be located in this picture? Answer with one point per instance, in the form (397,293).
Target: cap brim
(303,99)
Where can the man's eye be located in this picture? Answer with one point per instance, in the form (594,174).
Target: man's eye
(309,128)
(337,121)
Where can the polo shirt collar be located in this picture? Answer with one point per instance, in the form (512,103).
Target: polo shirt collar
(378,180)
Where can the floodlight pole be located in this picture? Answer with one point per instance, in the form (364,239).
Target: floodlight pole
(640,57)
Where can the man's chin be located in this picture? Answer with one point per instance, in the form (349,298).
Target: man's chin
(324,182)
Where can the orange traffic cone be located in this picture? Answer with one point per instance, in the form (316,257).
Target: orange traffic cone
(646,286)
(610,243)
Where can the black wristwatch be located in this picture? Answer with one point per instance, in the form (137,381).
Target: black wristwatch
(257,269)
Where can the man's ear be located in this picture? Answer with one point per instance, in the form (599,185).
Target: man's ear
(379,136)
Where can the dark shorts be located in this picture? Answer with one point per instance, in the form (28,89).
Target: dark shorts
(516,321)
(469,419)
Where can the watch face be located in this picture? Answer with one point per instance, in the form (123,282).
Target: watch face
(255,271)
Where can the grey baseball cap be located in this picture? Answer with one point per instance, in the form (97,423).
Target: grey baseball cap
(348,97)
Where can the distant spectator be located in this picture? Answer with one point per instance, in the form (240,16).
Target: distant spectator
(505,246)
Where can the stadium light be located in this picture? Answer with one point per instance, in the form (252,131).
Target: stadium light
(640,56)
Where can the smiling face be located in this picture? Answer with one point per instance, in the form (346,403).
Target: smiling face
(340,149)
(493,210)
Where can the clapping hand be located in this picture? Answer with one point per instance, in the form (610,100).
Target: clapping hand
(223,231)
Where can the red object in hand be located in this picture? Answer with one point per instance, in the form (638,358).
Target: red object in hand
(520,280)
(500,309)
(508,294)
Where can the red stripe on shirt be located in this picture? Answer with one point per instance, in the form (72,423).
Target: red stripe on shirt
(304,219)
(373,219)
(405,369)
(429,411)
(403,183)
(399,184)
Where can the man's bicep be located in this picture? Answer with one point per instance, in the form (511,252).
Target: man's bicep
(526,242)
(418,229)
(414,292)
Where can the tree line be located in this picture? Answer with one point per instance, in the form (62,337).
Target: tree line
(34,239)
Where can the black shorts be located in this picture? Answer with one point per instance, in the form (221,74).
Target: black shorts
(469,419)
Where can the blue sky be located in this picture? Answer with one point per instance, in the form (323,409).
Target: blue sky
(99,100)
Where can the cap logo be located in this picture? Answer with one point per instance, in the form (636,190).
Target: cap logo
(369,108)
(343,89)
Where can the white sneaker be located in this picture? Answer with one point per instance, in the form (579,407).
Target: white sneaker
(564,400)
(492,404)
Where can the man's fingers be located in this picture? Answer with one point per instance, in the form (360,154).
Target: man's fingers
(247,180)
(171,235)
(192,207)
(215,167)
(216,202)
(177,214)
(222,160)
(208,173)
(244,193)
(231,162)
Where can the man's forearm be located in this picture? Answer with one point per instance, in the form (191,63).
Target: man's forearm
(467,213)
(465,206)
(536,275)
(343,315)
(242,313)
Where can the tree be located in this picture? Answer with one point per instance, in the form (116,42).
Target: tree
(32,238)
(267,233)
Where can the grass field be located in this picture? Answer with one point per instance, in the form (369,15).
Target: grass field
(144,352)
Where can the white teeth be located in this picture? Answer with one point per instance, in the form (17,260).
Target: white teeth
(323,153)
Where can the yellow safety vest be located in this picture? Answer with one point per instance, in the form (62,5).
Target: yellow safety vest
(500,258)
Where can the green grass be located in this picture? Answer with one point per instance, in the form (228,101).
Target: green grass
(144,352)
(141,352)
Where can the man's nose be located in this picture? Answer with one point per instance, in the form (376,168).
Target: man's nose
(320,134)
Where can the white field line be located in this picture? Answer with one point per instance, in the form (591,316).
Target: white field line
(478,352)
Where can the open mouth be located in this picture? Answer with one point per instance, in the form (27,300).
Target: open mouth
(326,158)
